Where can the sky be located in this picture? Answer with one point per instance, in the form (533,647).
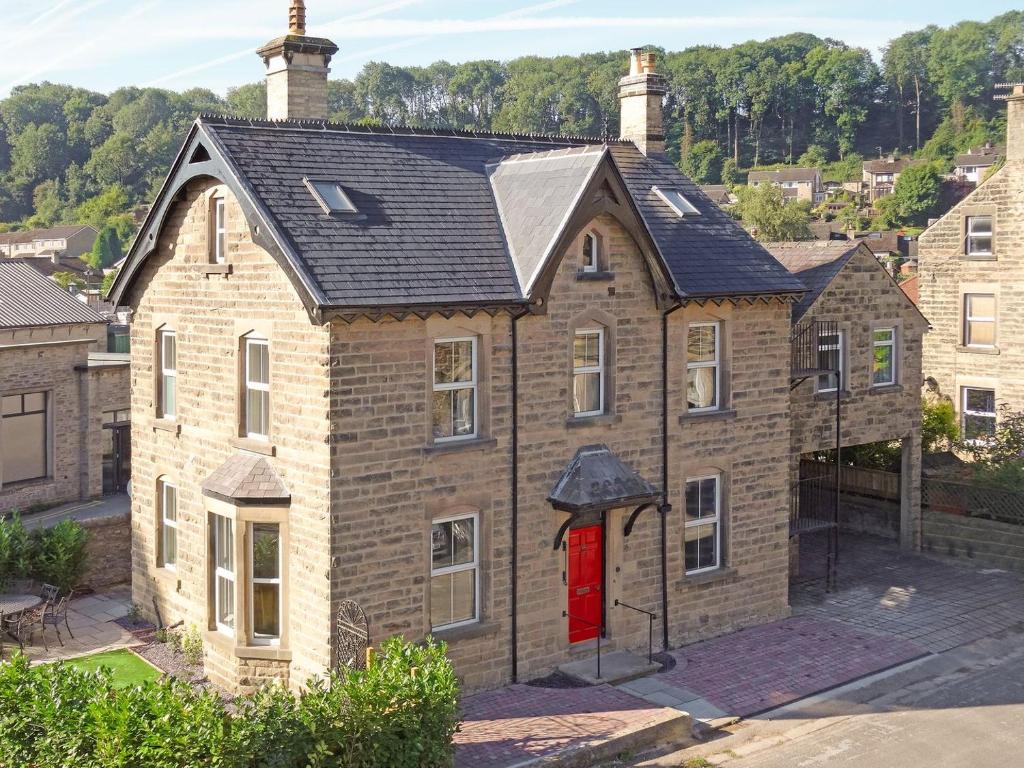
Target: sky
(178,44)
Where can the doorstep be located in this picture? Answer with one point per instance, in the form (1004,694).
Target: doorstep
(616,667)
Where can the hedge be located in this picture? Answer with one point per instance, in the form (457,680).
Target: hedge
(401,712)
(54,555)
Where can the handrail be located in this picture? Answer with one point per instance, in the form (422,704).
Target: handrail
(650,627)
(600,630)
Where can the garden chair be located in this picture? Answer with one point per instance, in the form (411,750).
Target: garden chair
(24,625)
(55,615)
(49,593)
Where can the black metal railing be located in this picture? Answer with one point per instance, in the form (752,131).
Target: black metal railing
(600,631)
(650,626)
(812,351)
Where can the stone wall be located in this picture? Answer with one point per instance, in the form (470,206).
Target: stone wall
(109,551)
(987,543)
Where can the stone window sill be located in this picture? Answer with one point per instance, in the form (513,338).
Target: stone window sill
(467,632)
(826,397)
(595,276)
(167,425)
(886,389)
(456,446)
(977,350)
(214,269)
(227,645)
(726,414)
(708,577)
(575,422)
(252,445)
(986,257)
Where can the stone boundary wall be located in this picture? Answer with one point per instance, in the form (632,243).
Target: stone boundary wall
(987,542)
(864,514)
(109,551)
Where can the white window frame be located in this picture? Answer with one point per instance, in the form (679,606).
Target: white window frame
(970,235)
(842,363)
(166,523)
(474,566)
(223,573)
(265,639)
(891,344)
(255,386)
(451,386)
(969,318)
(168,373)
(589,369)
(591,264)
(964,412)
(220,230)
(716,364)
(716,521)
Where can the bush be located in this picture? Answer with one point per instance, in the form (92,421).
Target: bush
(53,555)
(15,551)
(400,713)
(192,646)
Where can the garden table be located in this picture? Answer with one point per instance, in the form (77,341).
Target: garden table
(12,605)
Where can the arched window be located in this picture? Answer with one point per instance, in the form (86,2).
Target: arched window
(590,252)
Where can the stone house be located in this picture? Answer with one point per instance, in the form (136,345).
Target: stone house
(57,244)
(65,402)
(796,183)
(489,387)
(873,333)
(879,177)
(970,289)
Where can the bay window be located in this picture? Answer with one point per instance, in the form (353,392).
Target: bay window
(223,573)
(266,582)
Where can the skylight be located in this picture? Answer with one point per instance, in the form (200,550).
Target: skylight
(331,196)
(676,201)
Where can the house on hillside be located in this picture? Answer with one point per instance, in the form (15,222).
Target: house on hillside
(972,165)
(65,400)
(796,183)
(880,176)
(718,194)
(57,245)
(872,338)
(971,262)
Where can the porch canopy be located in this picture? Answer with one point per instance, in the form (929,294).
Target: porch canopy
(597,480)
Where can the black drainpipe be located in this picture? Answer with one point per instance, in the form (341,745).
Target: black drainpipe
(515,494)
(665,507)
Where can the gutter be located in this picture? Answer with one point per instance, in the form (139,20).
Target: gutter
(665,509)
(515,493)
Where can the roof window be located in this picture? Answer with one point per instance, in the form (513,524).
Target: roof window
(331,196)
(676,201)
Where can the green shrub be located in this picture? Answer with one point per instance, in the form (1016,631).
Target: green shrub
(15,551)
(400,713)
(59,554)
(192,646)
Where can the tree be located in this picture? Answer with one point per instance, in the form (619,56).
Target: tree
(815,156)
(703,163)
(999,457)
(905,62)
(764,210)
(106,249)
(108,282)
(914,198)
(99,210)
(939,429)
(67,279)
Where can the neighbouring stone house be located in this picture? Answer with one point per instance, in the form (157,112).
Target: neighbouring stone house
(489,387)
(796,183)
(879,177)
(972,165)
(874,332)
(65,402)
(970,263)
(57,244)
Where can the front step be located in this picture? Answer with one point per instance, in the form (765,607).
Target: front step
(616,667)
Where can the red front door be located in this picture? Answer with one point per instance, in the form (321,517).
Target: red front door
(586,583)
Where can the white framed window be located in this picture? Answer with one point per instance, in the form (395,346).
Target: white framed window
(588,372)
(883,350)
(455,382)
(265,586)
(831,353)
(703,367)
(257,388)
(590,252)
(702,529)
(979,236)
(168,500)
(454,571)
(979,320)
(168,353)
(219,231)
(978,414)
(223,573)
(25,448)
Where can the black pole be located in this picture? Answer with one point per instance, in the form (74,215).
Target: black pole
(839,468)
(665,507)
(515,496)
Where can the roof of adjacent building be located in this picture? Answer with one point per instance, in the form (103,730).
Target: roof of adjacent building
(912,287)
(980,157)
(54,233)
(815,262)
(450,217)
(596,479)
(717,193)
(29,300)
(784,174)
(47,267)
(886,165)
(247,478)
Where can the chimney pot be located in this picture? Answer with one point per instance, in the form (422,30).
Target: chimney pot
(297,18)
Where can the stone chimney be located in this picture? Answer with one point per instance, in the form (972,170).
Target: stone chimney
(297,71)
(641,93)
(1015,122)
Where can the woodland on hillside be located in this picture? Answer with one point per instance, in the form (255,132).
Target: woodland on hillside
(73,155)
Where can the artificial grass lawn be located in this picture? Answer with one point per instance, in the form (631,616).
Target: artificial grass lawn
(128,668)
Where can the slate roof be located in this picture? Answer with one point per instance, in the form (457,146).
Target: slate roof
(816,263)
(597,479)
(430,230)
(246,478)
(28,300)
(779,175)
(717,193)
(54,233)
(886,165)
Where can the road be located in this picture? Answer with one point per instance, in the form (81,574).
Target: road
(117,504)
(963,708)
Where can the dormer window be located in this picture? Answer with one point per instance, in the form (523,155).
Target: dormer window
(590,252)
(219,231)
(675,200)
(331,197)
